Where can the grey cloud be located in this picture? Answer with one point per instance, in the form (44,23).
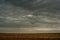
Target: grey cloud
(31,13)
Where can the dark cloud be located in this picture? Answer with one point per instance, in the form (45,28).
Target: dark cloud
(37,4)
(31,13)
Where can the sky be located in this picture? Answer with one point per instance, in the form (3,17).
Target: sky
(30,13)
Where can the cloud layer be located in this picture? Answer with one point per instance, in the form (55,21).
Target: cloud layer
(29,13)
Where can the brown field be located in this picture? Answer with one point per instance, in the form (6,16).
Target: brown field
(16,36)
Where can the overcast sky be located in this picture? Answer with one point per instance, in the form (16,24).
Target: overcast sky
(29,13)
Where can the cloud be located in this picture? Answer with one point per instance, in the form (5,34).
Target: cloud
(26,13)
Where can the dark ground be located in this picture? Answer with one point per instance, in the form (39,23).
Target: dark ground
(45,36)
